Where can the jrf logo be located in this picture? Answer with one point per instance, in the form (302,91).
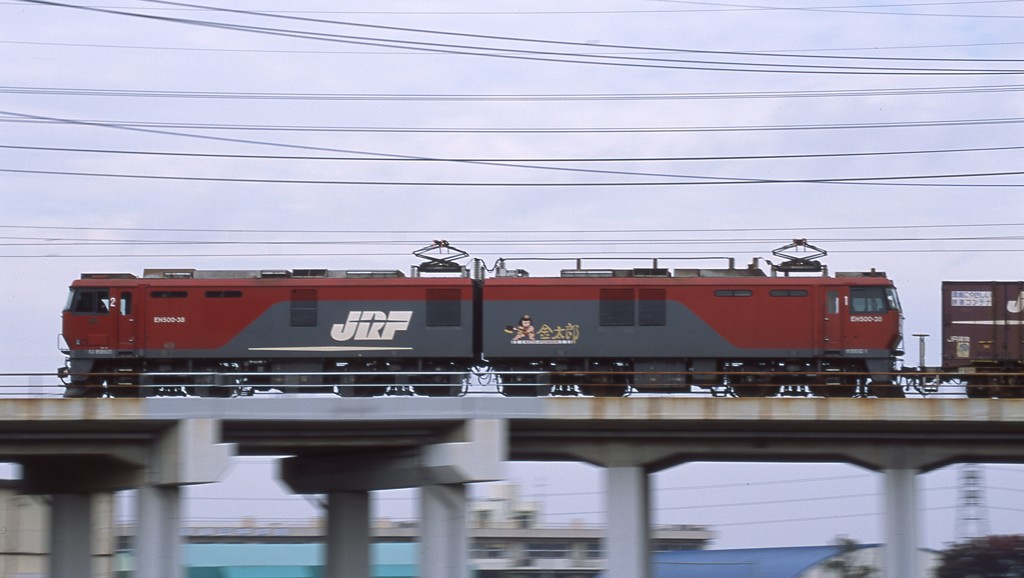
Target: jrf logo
(1016,306)
(371,326)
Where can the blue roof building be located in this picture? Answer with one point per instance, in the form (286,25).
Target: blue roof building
(744,563)
(387,560)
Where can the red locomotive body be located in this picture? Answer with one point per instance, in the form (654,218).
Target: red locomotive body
(332,328)
(608,330)
(595,332)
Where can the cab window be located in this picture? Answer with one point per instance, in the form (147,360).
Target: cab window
(893,299)
(868,300)
(94,301)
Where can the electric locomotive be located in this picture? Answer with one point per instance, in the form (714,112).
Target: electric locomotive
(216,333)
(600,332)
(653,330)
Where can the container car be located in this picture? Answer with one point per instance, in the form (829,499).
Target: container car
(983,335)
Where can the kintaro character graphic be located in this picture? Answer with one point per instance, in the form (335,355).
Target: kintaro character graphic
(524,331)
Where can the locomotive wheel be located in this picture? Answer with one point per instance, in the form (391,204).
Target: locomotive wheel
(87,389)
(524,390)
(438,390)
(977,392)
(607,390)
(987,387)
(754,390)
(519,385)
(361,390)
(533,390)
(883,389)
(124,391)
(212,391)
(747,385)
(834,390)
(1013,392)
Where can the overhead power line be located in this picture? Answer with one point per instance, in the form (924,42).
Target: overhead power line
(390,232)
(518,256)
(515,160)
(702,7)
(748,66)
(402,52)
(536,97)
(890,180)
(588,45)
(20,241)
(528,130)
(676,179)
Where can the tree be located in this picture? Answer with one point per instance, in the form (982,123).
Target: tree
(844,564)
(985,557)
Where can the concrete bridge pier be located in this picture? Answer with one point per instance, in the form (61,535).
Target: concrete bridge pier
(472,452)
(628,535)
(187,453)
(348,535)
(158,463)
(444,539)
(901,536)
(71,528)
(627,470)
(158,541)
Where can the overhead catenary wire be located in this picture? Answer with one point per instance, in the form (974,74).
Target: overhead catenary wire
(402,52)
(505,255)
(527,130)
(700,7)
(881,180)
(536,55)
(550,243)
(522,97)
(519,160)
(569,231)
(894,180)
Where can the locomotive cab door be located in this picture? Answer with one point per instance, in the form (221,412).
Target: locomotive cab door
(832,333)
(123,306)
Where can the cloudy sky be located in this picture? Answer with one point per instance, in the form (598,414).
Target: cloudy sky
(140,134)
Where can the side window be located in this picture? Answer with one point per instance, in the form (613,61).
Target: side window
(169,294)
(126,303)
(868,300)
(223,294)
(733,293)
(832,302)
(788,293)
(304,308)
(652,307)
(95,301)
(617,308)
(444,308)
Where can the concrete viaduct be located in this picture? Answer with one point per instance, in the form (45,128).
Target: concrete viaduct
(345,448)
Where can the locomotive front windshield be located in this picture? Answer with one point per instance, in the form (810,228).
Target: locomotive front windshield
(88,301)
(873,300)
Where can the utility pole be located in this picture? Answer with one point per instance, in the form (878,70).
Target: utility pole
(971,512)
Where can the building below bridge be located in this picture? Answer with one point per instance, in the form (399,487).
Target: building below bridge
(507,540)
